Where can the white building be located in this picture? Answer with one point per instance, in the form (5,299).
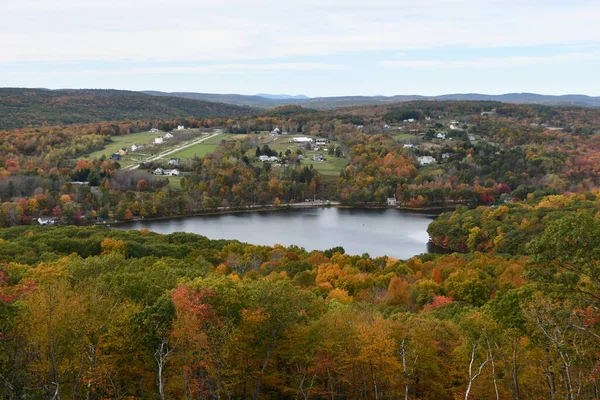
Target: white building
(168,136)
(171,172)
(426,160)
(158,140)
(153,130)
(158,171)
(441,135)
(409,146)
(135,147)
(302,140)
(180,127)
(268,159)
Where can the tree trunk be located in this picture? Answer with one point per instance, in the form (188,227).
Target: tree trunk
(262,372)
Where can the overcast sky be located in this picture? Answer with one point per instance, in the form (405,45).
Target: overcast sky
(313,47)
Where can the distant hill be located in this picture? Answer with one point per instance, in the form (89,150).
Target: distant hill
(348,101)
(236,99)
(283,96)
(33,107)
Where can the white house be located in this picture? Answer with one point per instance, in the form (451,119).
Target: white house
(153,130)
(318,157)
(269,159)
(441,135)
(174,162)
(171,172)
(135,147)
(391,201)
(321,141)
(168,136)
(408,146)
(158,171)
(158,140)
(426,160)
(276,131)
(471,137)
(446,155)
(302,140)
(180,127)
(45,221)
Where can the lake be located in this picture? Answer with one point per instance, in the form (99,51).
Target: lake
(378,232)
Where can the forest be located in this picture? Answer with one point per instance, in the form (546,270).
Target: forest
(87,312)
(497,158)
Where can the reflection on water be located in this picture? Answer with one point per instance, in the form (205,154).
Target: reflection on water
(377,232)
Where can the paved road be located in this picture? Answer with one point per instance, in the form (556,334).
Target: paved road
(175,150)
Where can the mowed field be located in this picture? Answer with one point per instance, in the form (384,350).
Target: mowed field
(331,166)
(201,149)
(125,141)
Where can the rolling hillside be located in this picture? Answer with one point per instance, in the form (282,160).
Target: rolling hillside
(348,101)
(21,107)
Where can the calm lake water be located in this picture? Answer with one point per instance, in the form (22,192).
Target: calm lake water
(377,232)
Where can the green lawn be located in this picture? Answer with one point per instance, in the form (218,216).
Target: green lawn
(332,166)
(200,149)
(119,142)
(404,136)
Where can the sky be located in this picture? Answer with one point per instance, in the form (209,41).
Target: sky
(310,47)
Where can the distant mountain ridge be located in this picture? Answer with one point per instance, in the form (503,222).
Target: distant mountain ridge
(21,107)
(283,96)
(347,101)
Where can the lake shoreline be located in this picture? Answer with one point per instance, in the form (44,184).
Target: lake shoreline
(376,231)
(432,211)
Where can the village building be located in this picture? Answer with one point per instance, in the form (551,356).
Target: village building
(426,160)
(302,139)
(171,172)
(46,221)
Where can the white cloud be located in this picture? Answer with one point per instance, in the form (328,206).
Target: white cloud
(496,62)
(214,68)
(227,30)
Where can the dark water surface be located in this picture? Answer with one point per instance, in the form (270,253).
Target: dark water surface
(377,232)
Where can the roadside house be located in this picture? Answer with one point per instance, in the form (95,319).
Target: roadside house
(426,160)
(171,172)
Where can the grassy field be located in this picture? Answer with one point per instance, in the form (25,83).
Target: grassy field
(332,166)
(201,149)
(119,142)
(404,136)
